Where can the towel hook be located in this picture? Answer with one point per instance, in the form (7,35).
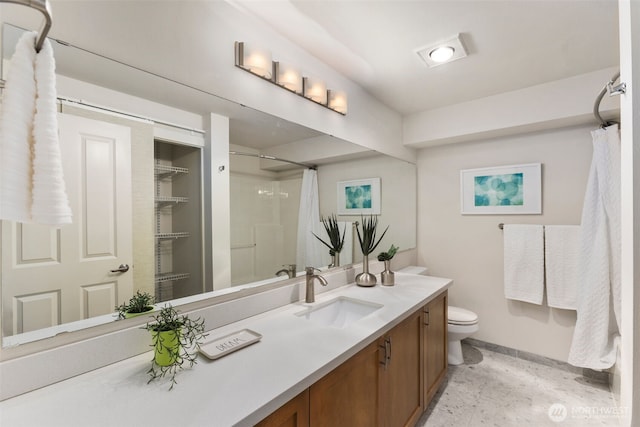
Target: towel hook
(43,7)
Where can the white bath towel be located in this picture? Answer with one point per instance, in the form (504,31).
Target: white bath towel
(31,181)
(597,331)
(50,204)
(524,262)
(16,132)
(561,243)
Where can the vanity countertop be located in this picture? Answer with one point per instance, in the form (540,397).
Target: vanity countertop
(238,389)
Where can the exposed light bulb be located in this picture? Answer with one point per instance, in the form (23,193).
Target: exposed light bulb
(442,53)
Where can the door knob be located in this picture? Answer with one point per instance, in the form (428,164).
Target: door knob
(123,268)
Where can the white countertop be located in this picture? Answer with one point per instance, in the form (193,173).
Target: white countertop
(238,389)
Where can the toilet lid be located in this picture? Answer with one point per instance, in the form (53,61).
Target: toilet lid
(460,316)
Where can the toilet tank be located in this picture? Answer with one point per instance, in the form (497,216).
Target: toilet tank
(414,269)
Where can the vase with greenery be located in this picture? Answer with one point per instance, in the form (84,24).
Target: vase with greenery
(368,244)
(139,304)
(176,340)
(387,276)
(336,241)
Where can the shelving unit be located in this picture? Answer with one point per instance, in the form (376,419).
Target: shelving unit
(178,222)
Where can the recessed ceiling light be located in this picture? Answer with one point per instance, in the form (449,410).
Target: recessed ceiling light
(442,52)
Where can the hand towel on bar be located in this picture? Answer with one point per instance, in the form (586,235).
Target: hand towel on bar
(524,262)
(16,132)
(31,181)
(561,246)
(50,204)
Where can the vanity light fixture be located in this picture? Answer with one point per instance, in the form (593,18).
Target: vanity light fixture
(314,89)
(255,60)
(442,52)
(337,101)
(258,62)
(287,77)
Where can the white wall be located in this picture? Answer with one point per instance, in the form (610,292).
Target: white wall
(468,248)
(628,382)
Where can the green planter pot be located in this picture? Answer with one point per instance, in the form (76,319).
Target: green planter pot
(167,347)
(128,315)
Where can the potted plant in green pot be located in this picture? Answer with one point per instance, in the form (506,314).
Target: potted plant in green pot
(387,276)
(139,304)
(368,244)
(176,340)
(336,242)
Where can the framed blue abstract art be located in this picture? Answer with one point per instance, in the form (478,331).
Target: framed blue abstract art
(360,196)
(515,189)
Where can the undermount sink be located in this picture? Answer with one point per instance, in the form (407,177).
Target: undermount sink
(339,312)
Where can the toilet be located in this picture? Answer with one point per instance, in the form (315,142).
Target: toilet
(462,324)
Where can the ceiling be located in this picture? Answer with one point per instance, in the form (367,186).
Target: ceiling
(511,44)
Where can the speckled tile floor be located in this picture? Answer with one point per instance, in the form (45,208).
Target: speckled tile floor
(494,389)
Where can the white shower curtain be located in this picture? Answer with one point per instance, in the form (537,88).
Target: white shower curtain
(596,335)
(309,248)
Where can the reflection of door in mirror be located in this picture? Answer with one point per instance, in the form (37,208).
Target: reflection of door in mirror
(56,276)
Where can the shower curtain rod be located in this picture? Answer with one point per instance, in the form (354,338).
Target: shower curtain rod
(43,7)
(613,90)
(264,156)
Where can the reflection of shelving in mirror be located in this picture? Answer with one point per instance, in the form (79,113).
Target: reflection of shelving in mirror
(164,171)
(170,277)
(171,199)
(178,221)
(168,236)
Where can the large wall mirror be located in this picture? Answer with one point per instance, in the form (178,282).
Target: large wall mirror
(138,188)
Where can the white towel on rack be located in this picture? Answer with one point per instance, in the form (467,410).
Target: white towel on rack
(524,262)
(16,132)
(31,181)
(561,247)
(50,204)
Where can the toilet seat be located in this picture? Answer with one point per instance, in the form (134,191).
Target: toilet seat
(460,316)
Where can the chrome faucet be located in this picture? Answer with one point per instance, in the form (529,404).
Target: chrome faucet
(290,270)
(311,297)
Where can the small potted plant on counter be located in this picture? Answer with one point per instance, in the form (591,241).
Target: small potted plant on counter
(139,304)
(337,242)
(176,340)
(368,244)
(388,277)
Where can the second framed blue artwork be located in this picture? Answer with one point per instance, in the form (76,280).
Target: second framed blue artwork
(515,189)
(359,196)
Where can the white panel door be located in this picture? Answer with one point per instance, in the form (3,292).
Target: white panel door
(52,276)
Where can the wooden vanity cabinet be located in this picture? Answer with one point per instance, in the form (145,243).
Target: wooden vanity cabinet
(294,413)
(400,384)
(388,384)
(435,345)
(348,395)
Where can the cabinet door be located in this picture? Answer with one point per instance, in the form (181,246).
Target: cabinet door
(294,413)
(435,345)
(348,395)
(401,385)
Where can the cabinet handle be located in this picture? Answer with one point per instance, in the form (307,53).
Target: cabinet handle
(389,354)
(426,317)
(383,362)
